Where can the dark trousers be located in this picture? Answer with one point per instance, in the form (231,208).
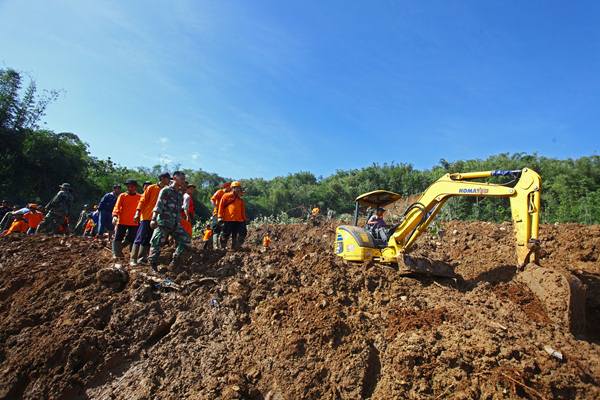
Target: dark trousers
(237,231)
(144,233)
(125,234)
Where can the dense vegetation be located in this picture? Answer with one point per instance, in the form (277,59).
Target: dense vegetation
(34,161)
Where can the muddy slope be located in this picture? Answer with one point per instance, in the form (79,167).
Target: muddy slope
(294,322)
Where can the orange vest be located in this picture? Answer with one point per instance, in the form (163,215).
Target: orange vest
(207,234)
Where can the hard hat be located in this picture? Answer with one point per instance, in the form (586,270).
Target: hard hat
(65,186)
(131,182)
(235,184)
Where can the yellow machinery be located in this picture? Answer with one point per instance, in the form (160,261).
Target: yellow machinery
(355,243)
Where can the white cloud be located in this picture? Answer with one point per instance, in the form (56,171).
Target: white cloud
(163,140)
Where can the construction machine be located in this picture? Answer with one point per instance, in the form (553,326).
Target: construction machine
(358,243)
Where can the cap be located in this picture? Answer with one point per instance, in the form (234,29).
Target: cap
(147,183)
(65,186)
(236,184)
(32,206)
(164,175)
(191,185)
(116,185)
(131,182)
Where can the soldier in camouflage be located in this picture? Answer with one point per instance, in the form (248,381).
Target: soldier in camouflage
(58,209)
(166,220)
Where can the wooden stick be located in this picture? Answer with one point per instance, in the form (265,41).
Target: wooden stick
(524,386)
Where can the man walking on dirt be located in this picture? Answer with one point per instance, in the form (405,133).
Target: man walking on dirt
(232,211)
(188,209)
(105,209)
(166,221)
(57,210)
(123,217)
(217,226)
(143,215)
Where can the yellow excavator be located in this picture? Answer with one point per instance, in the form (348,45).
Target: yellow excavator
(360,244)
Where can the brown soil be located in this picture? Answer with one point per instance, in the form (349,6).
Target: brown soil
(294,322)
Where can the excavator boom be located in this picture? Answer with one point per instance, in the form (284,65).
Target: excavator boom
(524,199)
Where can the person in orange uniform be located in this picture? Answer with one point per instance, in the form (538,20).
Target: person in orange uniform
(33,218)
(215,200)
(143,215)
(266,241)
(123,218)
(232,212)
(207,238)
(19,225)
(188,210)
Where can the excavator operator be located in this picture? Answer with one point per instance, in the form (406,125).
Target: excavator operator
(377,225)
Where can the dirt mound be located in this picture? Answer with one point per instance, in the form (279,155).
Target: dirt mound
(293,322)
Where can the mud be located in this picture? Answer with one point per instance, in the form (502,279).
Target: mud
(295,321)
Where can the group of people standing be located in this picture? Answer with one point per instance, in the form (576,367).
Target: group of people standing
(146,222)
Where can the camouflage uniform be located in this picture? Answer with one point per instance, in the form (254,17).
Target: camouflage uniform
(168,210)
(58,209)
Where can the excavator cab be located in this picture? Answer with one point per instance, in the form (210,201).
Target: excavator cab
(357,243)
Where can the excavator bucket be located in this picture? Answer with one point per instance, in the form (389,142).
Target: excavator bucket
(408,265)
(561,293)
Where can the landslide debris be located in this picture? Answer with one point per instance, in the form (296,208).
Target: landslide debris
(293,322)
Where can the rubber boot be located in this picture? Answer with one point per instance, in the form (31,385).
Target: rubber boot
(117,249)
(143,255)
(133,258)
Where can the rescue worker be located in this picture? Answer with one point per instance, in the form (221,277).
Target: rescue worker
(105,209)
(207,238)
(215,200)
(33,218)
(166,221)
(143,215)
(19,225)
(92,222)
(377,225)
(188,209)
(232,212)
(57,211)
(81,221)
(266,242)
(123,218)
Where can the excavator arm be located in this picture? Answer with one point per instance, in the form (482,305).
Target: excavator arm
(524,199)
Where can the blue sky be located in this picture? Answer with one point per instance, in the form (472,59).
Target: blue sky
(265,88)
